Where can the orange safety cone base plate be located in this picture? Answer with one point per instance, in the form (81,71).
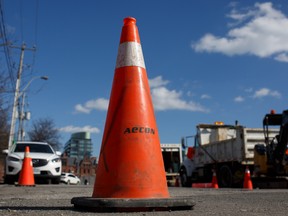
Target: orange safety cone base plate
(132,205)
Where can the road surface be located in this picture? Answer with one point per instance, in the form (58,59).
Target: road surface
(56,200)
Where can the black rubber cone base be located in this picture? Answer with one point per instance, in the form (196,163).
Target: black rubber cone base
(132,205)
(19,185)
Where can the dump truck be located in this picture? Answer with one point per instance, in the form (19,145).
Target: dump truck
(230,149)
(172,158)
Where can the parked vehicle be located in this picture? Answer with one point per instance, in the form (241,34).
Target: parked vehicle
(69,178)
(172,158)
(46,162)
(227,149)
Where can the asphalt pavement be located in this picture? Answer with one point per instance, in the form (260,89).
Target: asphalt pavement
(56,200)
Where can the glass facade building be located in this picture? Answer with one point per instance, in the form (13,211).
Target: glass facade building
(79,145)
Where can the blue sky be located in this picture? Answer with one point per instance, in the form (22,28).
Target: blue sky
(206,60)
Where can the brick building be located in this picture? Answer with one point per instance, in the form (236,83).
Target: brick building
(84,168)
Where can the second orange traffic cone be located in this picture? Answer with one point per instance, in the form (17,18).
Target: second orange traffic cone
(26,177)
(214,180)
(247,180)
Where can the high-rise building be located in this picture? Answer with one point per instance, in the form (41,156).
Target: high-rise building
(79,145)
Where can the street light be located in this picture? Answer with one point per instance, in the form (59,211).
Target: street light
(18,94)
(21,114)
(28,84)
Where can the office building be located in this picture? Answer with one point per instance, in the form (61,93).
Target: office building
(79,146)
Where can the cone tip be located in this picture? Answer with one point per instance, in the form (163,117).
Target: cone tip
(129,20)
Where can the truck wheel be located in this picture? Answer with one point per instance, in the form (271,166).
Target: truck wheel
(185,180)
(225,176)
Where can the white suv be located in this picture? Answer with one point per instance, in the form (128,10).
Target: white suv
(69,178)
(46,162)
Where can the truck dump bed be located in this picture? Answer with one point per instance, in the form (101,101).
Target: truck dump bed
(225,143)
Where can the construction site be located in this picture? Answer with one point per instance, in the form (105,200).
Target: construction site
(221,157)
(221,169)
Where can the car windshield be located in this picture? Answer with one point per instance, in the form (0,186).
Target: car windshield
(39,148)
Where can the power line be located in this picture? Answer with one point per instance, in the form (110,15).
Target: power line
(36,22)
(6,43)
(35,34)
(21,20)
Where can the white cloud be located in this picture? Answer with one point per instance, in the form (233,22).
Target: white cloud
(164,99)
(264,92)
(263,33)
(240,17)
(74,129)
(239,99)
(82,109)
(157,81)
(283,57)
(97,104)
(205,96)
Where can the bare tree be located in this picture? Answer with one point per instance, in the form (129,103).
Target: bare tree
(4,114)
(4,128)
(44,130)
(4,123)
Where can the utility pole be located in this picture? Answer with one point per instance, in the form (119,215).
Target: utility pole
(16,96)
(22,116)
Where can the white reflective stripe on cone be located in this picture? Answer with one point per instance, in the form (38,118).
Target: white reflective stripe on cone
(130,54)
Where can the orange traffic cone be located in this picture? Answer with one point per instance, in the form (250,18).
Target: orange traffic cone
(130,163)
(26,177)
(130,168)
(214,180)
(247,180)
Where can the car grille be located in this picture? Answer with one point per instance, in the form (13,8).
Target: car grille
(39,162)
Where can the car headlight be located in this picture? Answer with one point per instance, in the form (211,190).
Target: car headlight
(10,158)
(56,160)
